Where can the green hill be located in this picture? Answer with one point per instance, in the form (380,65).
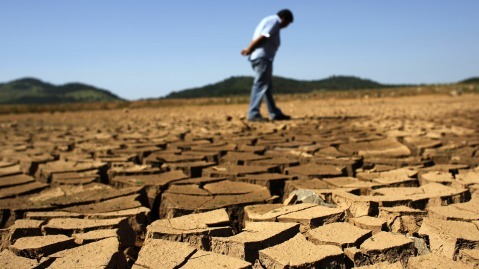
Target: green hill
(242,86)
(34,91)
(473,80)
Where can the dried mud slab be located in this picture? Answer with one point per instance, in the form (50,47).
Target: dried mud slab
(95,235)
(231,188)
(9,260)
(444,178)
(152,185)
(375,225)
(232,171)
(423,197)
(300,253)
(100,254)
(468,211)
(275,182)
(470,257)
(377,148)
(158,253)
(15,180)
(339,234)
(75,178)
(254,237)
(242,158)
(341,182)
(70,196)
(117,204)
(402,219)
(36,247)
(452,213)
(23,189)
(186,199)
(277,161)
(351,164)
(395,177)
(24,228)
(205,259)
(10,170)
(129,229)
(271,212)
(191,169)
(449,237)
(435,261)
(467,178)
(47,170)
(382,247)
(313,217)
(418,144)
(194,229)
(356,206)
(307,215)
(310,171)
(161,180)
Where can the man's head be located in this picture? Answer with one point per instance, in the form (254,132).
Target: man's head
(286,17)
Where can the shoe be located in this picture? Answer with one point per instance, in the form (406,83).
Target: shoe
(258,119)
(282,117)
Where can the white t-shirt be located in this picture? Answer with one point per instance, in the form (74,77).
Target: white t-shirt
(270,28)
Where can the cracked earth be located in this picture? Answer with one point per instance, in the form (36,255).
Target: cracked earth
(347,183)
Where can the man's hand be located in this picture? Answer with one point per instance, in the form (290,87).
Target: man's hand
(254,44)
(246,52)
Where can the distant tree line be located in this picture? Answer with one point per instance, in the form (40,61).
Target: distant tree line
(241,85)
(34,91)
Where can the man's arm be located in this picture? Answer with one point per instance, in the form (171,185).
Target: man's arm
(254,44)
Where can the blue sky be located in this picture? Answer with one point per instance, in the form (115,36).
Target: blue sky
(143,49)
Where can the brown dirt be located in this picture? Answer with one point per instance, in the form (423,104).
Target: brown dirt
(197,186)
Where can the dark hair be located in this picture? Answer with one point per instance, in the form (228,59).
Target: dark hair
(286,14)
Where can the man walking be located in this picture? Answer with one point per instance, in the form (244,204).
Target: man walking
(261,52)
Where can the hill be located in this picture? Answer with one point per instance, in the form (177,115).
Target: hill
(242,86)
(473,80)
(35,91)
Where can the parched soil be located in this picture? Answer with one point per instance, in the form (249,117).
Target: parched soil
(350,183)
